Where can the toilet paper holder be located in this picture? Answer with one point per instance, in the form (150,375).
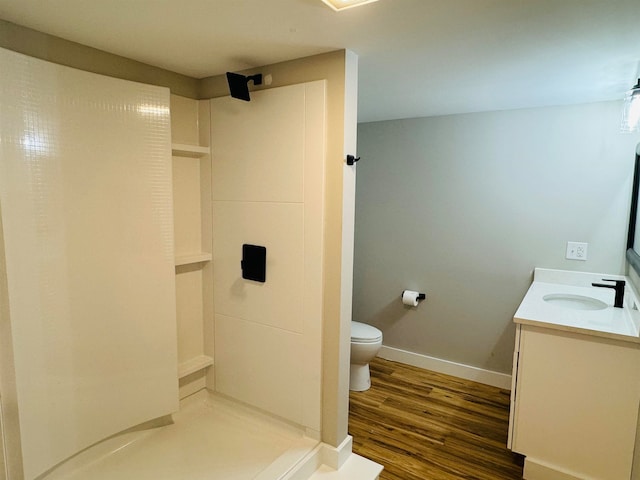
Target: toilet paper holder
(421,296)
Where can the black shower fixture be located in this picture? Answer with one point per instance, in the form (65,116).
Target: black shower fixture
(239,84)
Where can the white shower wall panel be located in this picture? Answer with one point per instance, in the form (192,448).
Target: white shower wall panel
(266,371)
(189,313)
(280,227)
(261,144)
(86,204)
(187,205)
(268,163)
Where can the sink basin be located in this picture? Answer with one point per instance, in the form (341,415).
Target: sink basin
(574,302)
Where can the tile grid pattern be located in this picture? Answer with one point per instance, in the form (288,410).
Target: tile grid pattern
(87,227)
(423,425)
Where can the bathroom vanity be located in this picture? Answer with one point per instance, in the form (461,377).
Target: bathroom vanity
(576,379)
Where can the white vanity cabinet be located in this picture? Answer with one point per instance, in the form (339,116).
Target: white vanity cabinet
(574,404)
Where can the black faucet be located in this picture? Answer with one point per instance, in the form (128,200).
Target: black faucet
(618,287)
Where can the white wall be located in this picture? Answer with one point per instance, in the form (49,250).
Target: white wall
(463,207)
(339,69)
(268,183)
(87,226)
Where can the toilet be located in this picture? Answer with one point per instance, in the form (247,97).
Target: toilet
(365,344)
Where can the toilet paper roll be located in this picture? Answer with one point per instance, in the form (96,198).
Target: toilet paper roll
(409,297)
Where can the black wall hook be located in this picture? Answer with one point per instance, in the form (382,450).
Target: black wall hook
(351,160)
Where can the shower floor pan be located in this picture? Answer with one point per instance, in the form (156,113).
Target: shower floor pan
(211,438)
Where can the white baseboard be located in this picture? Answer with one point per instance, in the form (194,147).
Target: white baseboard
(327,462)
(488,377)
(335,457)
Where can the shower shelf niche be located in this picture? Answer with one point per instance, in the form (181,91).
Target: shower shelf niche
(192,258)
(194,365)
(193,242)
(184,150)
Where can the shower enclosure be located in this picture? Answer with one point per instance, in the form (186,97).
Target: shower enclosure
(92,273)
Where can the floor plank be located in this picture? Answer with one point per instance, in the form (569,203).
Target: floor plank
(422,425)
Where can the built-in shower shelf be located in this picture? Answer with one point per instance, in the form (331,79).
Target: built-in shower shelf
(194,365)
(185,150)
(192,258)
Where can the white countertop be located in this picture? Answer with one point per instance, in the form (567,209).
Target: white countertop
(610,322)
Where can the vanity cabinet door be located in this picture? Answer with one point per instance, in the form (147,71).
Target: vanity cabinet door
(576,404)
(514,387)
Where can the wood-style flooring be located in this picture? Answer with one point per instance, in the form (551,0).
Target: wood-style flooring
(422,425)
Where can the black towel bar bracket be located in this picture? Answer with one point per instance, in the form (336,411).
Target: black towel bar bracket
(351,159)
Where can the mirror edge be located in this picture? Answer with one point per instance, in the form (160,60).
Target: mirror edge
(632,256)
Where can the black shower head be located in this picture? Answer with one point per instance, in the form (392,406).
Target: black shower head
(239,84)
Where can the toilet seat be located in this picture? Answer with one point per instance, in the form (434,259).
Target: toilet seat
(363,333)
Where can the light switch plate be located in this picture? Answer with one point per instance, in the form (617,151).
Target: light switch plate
(577,250)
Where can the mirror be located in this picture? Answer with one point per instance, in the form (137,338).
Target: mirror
(633,240)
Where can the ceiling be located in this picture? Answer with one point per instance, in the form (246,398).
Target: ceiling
(416,57)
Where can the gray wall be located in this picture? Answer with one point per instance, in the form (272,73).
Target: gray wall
(464,207)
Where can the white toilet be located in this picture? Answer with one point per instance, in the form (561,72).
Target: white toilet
(365,344)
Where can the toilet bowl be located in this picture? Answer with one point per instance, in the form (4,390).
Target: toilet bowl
(365,344)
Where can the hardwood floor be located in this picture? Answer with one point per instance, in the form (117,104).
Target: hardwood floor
(422,425)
